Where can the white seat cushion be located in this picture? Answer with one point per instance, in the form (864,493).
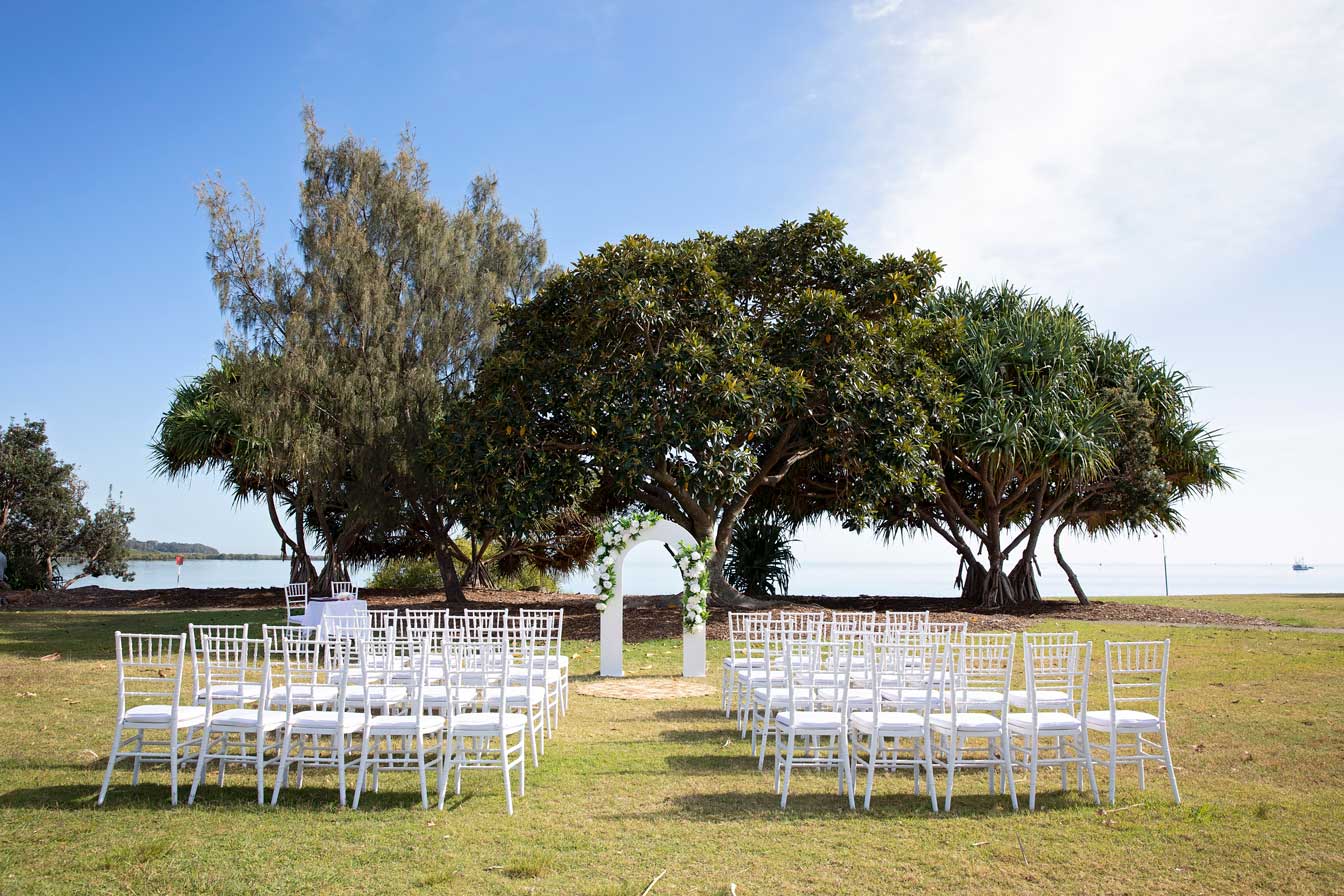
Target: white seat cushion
(247,719)
(230,693)
(810,720)
(380,725)
(516,695)
(777,696)
(966,722)
(1125,720)
(154,715)
(1045,722)
(304,694)
(322,721)
(909,697)
(484,723)
(438,695)
(1044,698)
(979,698)
(376,694)
(889,721)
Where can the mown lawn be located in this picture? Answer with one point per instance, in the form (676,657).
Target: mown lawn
(630,789)
(1311,611)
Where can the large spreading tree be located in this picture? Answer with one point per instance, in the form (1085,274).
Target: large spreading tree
(688,376)
(1056,424)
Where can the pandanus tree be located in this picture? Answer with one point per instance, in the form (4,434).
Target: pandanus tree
(1049,430)
(202,430)
(377,324)
(1160,455)
(687,376)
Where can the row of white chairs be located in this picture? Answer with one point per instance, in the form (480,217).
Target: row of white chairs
(468,694)
(864,693)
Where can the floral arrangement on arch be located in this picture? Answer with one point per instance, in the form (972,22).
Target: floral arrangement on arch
(692,561)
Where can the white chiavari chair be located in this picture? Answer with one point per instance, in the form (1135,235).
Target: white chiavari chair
(1136,676)
(196,635)
(738,658)
(1051,732)
(766,685)
(400,742)
(974,671)
(246,663)
(296,601)
(485,738)
(544,668)
(150,670)
(560,660)
(297,663)
(307,725)
(1045,698)
(817,675)
(344,591)
(524,689)
(908,669)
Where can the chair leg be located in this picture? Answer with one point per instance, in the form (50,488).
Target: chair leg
(1114,749)
(200,766)
(953,757)
(261,767)
(928,770)
(420,757)
(504,762)
(788,769)
(338,745)
(111,761)
(1091,772)
(1138,749)
(1171,767)
(845,769)
(172,766)
(282,772)
(1008,769)
(363,771)
(872,761)
(1033,762)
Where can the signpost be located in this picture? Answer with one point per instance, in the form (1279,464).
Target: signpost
(179,569)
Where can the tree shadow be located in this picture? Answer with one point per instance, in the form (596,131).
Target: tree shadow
(689,715)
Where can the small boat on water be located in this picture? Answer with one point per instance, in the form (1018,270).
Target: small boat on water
(1300,565)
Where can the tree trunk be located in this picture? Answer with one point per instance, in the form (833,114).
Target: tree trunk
(1068,570)
(991,590)
(477,572)
(721,591)
(452,585)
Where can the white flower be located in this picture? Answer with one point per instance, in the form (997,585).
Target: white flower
(695,555)
(698,568)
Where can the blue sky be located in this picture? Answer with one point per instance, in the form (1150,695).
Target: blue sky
(1179,171)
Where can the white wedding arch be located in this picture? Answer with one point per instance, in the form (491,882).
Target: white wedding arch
(616,541)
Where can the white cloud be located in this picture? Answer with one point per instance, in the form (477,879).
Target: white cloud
(1075,146)
(874,9)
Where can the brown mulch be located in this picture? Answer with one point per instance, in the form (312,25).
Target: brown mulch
(646,617)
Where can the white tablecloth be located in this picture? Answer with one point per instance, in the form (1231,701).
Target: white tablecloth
(318,609)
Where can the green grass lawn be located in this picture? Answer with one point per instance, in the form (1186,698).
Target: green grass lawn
(630,789)
(1312,611)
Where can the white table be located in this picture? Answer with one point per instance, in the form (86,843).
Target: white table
(319,609)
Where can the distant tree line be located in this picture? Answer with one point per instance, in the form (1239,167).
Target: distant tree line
(415,381)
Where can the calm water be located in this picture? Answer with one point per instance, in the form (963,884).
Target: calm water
(656,576)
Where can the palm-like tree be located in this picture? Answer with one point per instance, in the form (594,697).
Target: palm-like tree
(202,431)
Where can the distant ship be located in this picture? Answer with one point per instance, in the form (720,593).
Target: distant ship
(1300,565)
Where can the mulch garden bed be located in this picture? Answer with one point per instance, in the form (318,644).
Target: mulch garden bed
(646,617)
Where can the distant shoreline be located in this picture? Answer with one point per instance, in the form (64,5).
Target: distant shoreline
(159,555)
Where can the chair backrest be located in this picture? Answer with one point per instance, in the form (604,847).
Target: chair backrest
(383,619)
(344,589)
(558,615)
(493,618)
(982,663)
(1136,675)
(907,666)
(1058,667)
(818,672)
(296,598)
(196,635)
(380,657)
(303,667)
(237,663)
(149,670)
(946,632)
(1042,639)
(420,623)
(908,618)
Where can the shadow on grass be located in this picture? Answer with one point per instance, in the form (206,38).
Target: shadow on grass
(154,795)
(763,804)
(689,715)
